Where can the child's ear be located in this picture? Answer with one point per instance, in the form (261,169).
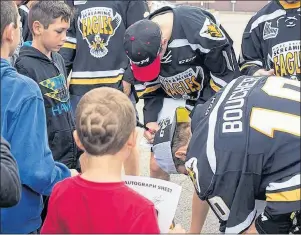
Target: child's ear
(181,153)
(132,141)
(37,28)
(8,33)
(77,141)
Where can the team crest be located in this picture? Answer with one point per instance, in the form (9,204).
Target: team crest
(97,25)
(58,86)
(214,31)
(269,31)
(211,31)
(193,173)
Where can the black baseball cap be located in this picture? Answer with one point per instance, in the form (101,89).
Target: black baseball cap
(142,44)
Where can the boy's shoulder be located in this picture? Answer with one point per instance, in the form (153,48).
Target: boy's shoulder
(137,199)
(21,84)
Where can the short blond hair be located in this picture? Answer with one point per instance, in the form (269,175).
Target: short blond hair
(105,119)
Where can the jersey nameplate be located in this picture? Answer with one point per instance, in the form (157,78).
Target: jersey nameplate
(233,112)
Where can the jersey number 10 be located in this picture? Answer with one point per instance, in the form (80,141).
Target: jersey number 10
(268,121)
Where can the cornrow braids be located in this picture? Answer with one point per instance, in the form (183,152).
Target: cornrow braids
(105,119)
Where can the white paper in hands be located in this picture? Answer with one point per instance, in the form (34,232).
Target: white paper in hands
(165,195)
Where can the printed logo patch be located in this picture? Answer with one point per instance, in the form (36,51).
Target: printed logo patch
(58,86)
(286,59)
(211,31)
(183,85)
(269,31)
(97,25)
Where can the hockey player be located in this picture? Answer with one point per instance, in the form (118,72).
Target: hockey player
(271,41)
(245,145)
(179,56)
(94,51)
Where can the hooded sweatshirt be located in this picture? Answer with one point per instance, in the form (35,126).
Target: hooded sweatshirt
(51,78)
(23,125)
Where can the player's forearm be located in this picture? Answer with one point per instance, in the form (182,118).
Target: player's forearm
(199,213)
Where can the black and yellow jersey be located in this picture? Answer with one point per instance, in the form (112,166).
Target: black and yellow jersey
(94,47)
(199,60)
(246,146)
(271,40)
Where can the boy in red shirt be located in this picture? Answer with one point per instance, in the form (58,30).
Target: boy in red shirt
(98,201)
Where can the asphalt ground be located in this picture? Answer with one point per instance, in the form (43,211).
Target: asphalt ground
(234,25)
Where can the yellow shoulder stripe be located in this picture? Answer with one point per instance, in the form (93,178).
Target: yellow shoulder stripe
(287,196)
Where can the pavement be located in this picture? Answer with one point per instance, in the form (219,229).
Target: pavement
(234,24)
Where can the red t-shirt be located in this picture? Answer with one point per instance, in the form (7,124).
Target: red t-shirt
(80,206)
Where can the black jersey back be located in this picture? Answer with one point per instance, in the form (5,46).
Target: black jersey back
(246,146)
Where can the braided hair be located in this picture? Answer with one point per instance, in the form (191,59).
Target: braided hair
(105,119)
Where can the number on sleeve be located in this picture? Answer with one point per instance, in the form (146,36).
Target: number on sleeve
(268,121)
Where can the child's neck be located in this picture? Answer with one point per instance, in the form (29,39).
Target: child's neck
(103,169)
(41,48)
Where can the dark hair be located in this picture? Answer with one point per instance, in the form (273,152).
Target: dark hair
(47,11)
(181,138)
(105,119)
(9,14)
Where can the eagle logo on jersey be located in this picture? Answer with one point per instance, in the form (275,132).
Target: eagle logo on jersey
(193,172)
(214,31)
(97,25)
(286,59)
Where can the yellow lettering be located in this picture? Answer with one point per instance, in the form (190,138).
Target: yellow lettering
(172,91)
(298,61)
(283,71)
(84,23)
(94,25)
(276,66)
(105,24)
(178,88)
(89,27)
(110,30)
(197,85)
(183,85)
(189,84)
(290,63)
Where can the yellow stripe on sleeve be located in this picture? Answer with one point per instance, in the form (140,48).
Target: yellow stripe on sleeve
(94,81)
(287,196)
(69,45)
(214,86)
(148,90)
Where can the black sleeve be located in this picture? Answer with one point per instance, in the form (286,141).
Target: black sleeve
(220,59)
(152,107)
(153,95)
(10,180)
(136,11)
(251,56)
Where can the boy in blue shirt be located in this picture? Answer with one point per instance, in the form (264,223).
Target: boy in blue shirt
(23,125)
